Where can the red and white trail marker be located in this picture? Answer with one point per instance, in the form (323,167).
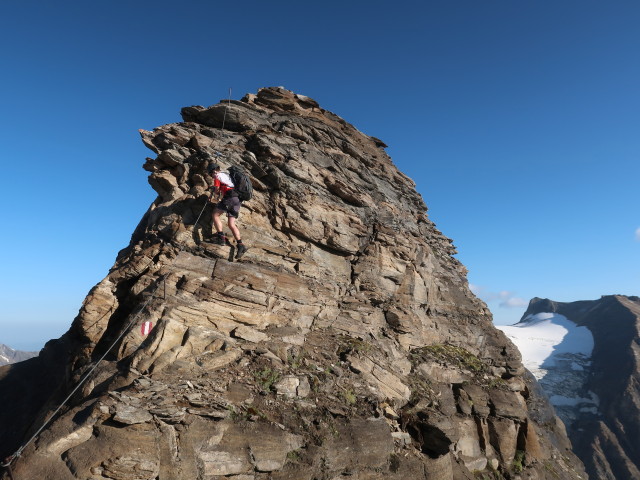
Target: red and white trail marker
(145,328)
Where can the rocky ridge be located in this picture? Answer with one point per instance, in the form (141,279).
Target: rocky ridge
(607,439)
(345,344)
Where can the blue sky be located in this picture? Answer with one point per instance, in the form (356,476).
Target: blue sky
(518,120)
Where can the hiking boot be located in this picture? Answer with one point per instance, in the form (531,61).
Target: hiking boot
(218,239)
(241,249)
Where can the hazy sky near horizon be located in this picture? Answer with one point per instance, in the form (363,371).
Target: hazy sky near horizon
(518,121)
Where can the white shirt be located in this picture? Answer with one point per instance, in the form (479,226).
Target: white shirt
(224,177)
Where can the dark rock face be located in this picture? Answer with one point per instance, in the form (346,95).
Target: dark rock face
(344,344)
(608,443)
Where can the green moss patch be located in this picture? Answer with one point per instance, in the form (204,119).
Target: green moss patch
(449,355)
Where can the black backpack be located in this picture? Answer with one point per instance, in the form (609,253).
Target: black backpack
(241,182)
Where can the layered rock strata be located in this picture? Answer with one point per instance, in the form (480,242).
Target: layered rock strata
(345,344)
(606,438)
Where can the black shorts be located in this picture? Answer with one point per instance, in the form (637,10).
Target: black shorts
(230,204)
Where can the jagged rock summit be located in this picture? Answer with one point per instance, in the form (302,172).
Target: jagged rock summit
(345,344)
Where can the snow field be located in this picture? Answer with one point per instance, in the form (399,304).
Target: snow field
(558,353)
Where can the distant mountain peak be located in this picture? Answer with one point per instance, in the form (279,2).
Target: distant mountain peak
(9,355)
(598,372)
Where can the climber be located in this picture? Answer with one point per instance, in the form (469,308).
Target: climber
(228,202)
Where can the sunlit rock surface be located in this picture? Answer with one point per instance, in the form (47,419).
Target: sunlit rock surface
(345,344)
